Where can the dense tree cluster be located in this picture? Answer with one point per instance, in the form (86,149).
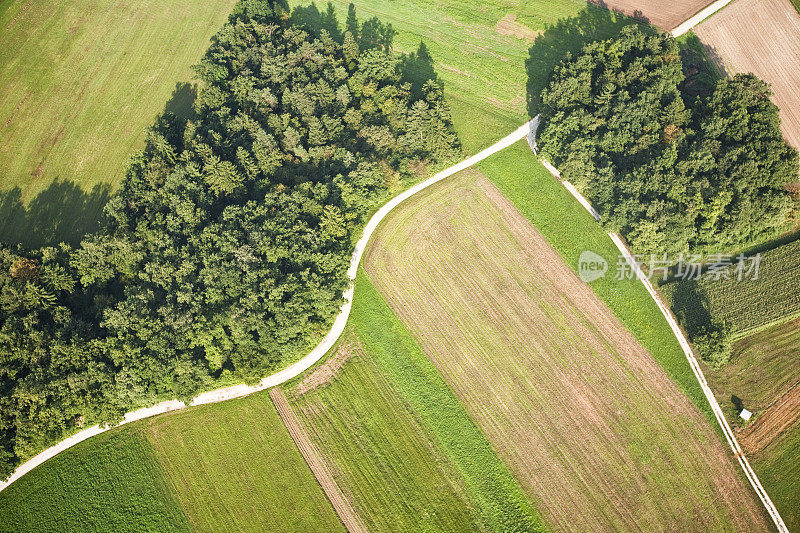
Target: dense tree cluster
(675,173)
(226,248)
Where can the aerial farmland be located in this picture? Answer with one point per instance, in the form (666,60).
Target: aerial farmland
(761,36)
(399,265)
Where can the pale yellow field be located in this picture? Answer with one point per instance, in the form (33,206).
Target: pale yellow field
(762,37)
(589,424)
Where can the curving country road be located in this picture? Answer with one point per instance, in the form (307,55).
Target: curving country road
(238,391)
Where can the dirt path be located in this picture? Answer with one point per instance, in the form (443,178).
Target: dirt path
(587,421)
(774,421)
(294,370)
(316,463)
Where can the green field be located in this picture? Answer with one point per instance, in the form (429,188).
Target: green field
(235,468)
(747,305)
(571,230)
(222,467)
(113,482)
(379,451)
(764,366)
(778,468)
(81,83)
(406,417)
(442,463)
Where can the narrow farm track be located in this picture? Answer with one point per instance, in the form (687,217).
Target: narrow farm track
(316,463)
(290,372)
(588,422)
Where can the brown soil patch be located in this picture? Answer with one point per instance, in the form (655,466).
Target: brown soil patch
(592,427)
(762,37)
(312,456)
(508,25)
(665,14)
(766,428)
(327,372)
(19,13)
(10,118)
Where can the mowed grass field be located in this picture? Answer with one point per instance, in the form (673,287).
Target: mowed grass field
(222,467)
(81,82)
(113,482)
(379,453)
(779,471)
(400,442)
(762,37)
(234,467)
(590,425)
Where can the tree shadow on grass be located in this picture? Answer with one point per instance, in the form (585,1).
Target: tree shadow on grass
(691,307)
(417,69)
(568,36)
(316,21)
(63,212)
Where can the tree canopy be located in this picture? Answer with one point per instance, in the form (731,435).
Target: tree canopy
(674,173)
(226,248)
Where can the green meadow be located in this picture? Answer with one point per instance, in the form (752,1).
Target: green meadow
(81,83)
(221,467)
(112,482)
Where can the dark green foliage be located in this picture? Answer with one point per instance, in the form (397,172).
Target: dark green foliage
(49,370)
(714,345)
(226,248)
(671,178)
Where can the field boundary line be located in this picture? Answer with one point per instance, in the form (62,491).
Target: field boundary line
(685,26)
(709,394)
(688,351)
(297,368)
(316,463)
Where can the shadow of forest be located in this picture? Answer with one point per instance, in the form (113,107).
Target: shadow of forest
(65,211)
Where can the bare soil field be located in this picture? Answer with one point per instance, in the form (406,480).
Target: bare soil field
(664,14)
(591,426)
(770,425)
(762,37)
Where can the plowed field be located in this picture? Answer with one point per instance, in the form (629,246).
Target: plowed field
(762,37)
(664,14)
(589,424)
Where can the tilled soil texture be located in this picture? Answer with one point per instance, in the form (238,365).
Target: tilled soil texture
(773,422)
(312,456)
(664,14)
(762,37)
(595,431)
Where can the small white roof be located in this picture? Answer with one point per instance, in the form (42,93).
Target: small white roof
(745,414)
